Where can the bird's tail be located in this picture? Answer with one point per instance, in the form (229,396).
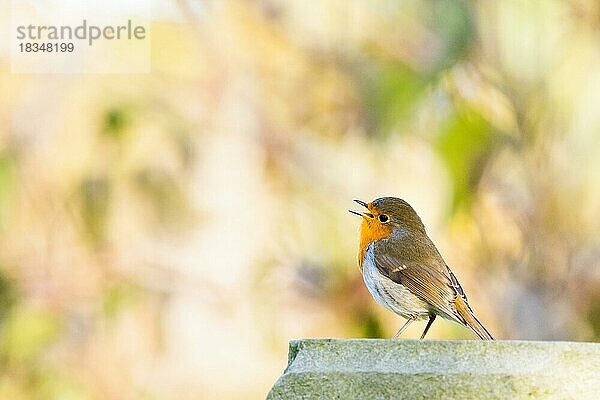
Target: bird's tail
(466,314)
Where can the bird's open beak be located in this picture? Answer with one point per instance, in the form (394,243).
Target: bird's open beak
(362,214)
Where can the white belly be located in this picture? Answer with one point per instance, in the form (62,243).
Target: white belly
(390,294)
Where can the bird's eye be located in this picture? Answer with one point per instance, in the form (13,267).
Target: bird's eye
(384,218)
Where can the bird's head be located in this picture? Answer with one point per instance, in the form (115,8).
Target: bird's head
(386,217)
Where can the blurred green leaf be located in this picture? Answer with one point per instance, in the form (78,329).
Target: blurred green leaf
(466,142)
(26,332)
(391,91)
(116,297)
(8,294)
(371,326)
(94,196)
(452,22)
(165,195)
(392,87)
(116,120)
(593,316)
(7,184)
(52,386)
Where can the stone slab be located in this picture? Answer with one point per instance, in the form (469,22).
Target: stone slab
(439,369)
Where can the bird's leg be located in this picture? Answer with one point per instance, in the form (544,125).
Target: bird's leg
(431,319)
(403,327)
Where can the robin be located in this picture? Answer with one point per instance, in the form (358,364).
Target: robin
(404,271)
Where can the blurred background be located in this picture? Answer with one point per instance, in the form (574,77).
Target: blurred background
(163,236)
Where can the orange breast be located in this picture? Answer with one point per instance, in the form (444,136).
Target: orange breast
(370,231)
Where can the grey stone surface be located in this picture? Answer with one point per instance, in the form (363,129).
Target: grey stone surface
(439,369)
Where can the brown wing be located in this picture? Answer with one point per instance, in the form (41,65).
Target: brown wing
(428,278)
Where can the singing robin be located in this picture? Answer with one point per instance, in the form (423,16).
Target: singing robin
(404,271)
